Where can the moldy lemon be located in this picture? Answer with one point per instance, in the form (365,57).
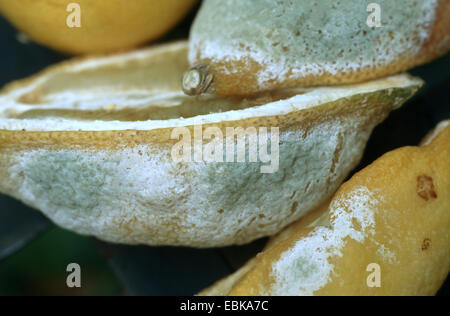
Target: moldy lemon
(245,47)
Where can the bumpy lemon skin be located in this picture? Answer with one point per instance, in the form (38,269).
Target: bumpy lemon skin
(106,26)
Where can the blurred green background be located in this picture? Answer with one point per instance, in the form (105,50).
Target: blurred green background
(40,267)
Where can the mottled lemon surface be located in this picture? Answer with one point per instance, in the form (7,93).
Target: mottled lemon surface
(89,144)
(260,45)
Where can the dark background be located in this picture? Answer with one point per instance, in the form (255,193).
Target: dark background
(34,253)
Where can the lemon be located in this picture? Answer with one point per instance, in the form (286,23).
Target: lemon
(105,26)
(391,215)
(91,144)
(245,47)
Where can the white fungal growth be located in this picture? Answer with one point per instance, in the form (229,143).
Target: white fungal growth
(305,268)
(296,39)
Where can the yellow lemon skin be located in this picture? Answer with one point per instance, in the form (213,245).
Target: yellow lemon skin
(106,26)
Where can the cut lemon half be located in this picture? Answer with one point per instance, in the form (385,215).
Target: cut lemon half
(91,144)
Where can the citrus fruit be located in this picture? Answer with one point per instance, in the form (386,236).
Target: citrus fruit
(392,218)
(93,144)
(245,47)
(105,26)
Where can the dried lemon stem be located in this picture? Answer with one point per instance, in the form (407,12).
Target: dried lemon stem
(197,80)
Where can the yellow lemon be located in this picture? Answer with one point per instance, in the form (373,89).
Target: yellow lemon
(92,26)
